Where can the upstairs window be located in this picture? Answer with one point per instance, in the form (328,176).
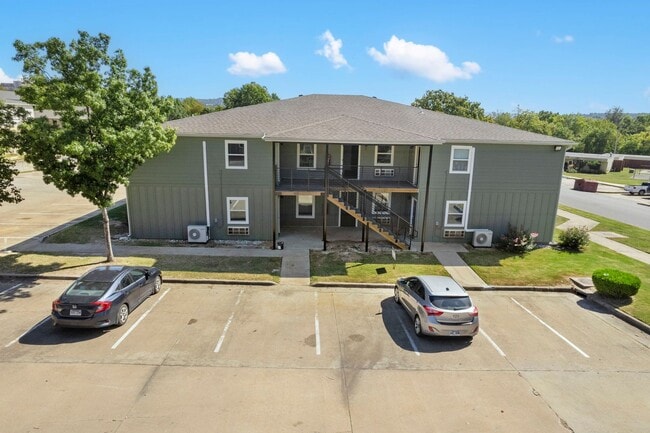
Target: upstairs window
(306,155)
(237,210)
(236,156)
(384,155)
(460,159)
(455,214)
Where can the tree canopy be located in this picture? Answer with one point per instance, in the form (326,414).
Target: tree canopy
(109,117)
(9,117)
(189,107)
(248,94)
(447,102)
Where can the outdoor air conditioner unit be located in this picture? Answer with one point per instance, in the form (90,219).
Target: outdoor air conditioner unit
(197,234)
(482,238)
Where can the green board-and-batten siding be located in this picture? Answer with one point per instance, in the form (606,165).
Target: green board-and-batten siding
(511,184)
(167,193)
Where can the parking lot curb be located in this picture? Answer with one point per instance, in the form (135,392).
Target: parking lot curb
(167,280)
(598,299)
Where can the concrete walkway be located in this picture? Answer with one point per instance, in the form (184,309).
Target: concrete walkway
(295,269)
(602,238)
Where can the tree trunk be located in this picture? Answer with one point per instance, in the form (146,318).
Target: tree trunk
(107,236)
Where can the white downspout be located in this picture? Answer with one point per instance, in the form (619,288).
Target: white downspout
(205,184)
(469,188)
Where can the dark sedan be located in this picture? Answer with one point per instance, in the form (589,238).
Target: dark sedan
(105,296)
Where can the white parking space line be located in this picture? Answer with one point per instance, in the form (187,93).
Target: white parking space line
(316,324)
(552,330)
(137,322)
(496,347)
(406,332)
(225,328)
(28,331)
(11,289)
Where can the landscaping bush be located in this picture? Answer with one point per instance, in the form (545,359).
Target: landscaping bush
(516,240)
(615,283)
(574,238)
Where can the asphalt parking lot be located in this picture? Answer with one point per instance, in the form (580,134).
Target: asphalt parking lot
(283,359)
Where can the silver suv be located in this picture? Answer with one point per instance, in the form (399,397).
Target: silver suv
(437,305)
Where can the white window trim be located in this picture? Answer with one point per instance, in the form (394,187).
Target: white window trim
(447,213)
(392,156)
(245,200)
(313,207)
(236,167)
(469,159)
(315,147)
(389,198)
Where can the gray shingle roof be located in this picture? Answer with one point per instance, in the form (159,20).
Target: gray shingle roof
(351,119)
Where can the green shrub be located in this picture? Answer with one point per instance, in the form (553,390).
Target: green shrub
(615,283)
(516,240)
(574,238)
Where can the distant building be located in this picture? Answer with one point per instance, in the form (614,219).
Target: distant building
(9,97)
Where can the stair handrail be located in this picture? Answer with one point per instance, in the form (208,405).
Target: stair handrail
(372,209)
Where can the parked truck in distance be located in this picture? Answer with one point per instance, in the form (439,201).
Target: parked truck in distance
(642,189)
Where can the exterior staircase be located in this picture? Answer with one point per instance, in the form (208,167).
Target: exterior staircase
(369,210)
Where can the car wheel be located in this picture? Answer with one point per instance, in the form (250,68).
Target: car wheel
(122,315)
(417,325)
(396,295)
(156,285)
(641,192)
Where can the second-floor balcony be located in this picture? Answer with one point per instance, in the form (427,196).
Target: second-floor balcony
(370,178)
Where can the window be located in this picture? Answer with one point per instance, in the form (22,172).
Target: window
(455,214)
(305,206)
(384,155)
(236,156)
(381,205)
(306,155)
(237,210)
(460,159)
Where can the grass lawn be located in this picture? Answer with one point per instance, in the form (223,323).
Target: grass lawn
(92,229)
(552,267)
(621,177)
(176,266)
(357,267)
(636,237)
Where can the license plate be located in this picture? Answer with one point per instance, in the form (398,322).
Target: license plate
(75,312)
(454,332)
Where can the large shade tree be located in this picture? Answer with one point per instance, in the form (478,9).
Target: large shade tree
(110,117)
(447,102)
(9,117)
(248,94)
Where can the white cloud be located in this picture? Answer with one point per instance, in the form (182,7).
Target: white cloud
(4,78)
(425,61)
(251,64)
(566,39)
(332,50)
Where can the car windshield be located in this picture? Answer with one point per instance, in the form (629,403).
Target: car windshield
(88,288)
(451,303)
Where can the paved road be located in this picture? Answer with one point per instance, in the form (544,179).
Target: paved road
(44,207)
(620,207)
(244,359)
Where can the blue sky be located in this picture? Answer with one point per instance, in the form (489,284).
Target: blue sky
(564,56)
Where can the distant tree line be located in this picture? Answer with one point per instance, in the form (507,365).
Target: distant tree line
(617,132)
(248,94)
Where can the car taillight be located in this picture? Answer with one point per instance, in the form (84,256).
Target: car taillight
(56,306)
(432,311)
(102,306)
(474,312)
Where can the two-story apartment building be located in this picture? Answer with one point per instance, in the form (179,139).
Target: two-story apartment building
(329,161)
